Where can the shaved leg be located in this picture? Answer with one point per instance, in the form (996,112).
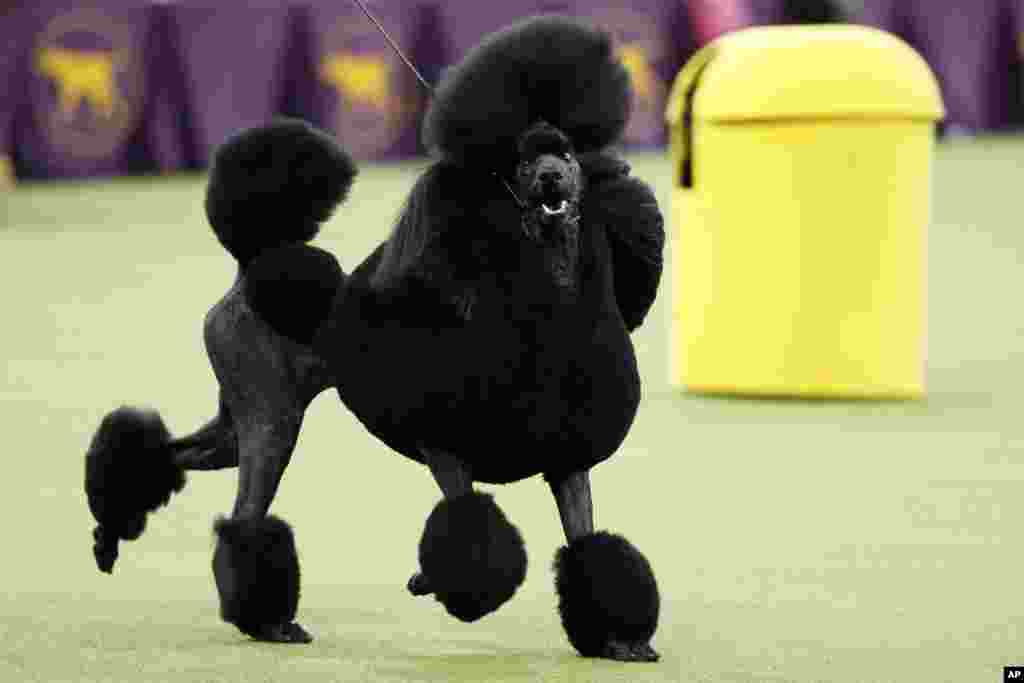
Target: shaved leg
(575,507)
(451,475)
(266,408)
(266,384)
(214,446)
(265,451)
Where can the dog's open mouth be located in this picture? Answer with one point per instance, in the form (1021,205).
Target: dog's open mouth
(545,214)
(550,209)
(551,223)
(549,206)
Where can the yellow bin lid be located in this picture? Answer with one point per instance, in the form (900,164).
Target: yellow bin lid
(806,72)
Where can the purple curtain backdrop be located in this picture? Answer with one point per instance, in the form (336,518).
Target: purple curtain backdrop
(88,83)
(236,59)
(10,81)
(974,49)
(103,87)
(350,82)
(766,11)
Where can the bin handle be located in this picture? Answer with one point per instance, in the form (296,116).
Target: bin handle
(679,111)
(685,173)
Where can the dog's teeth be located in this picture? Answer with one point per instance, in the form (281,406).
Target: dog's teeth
(553,212)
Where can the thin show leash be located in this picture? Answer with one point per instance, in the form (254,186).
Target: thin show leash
(426,86)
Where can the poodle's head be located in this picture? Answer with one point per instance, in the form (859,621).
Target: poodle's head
(553,68)
(550,186)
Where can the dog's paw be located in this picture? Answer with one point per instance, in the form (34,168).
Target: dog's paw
(104,549)
(282,633)
(607,597)
(419,585)
(472,557)
(621,651)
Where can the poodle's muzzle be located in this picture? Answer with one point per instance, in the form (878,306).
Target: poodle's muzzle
(551,185)
(551,188)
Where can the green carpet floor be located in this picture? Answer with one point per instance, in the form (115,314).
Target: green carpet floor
(793,541)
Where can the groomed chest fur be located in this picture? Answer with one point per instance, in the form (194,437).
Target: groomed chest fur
(525,372)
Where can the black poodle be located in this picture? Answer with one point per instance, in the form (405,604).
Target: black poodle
(487,338)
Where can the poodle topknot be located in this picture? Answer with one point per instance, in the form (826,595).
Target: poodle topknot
(543,138)
(550,68)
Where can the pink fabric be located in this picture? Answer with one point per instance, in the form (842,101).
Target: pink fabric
(712,18)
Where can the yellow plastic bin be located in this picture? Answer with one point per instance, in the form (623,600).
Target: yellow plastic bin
(803,168)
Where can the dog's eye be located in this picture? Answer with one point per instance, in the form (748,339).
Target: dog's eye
(567,156)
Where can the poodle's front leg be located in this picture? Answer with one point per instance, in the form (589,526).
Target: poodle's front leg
(471,557)
(256,566)
(454,479)
(572,495)
(607,596)
(451,474)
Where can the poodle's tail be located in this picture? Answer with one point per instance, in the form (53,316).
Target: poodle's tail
(133,467)
(270,189)
(274,185)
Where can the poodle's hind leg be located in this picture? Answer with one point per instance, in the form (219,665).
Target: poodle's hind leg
(607,595)
(265,449)
(267,382)
(256,565)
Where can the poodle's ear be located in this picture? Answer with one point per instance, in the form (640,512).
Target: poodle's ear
(549,68)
